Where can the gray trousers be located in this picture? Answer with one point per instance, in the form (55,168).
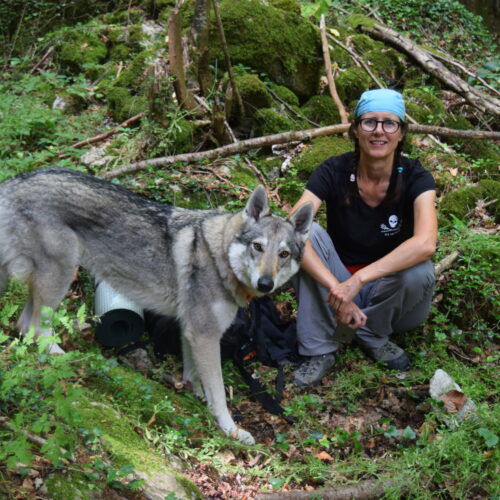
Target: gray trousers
(393,304)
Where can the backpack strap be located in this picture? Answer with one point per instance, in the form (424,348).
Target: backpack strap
(258,391)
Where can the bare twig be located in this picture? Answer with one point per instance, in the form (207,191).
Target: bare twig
(109,133)
(42,60)
(329,74)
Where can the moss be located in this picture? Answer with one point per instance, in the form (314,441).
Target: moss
(320,150)
(461,201)
(291,6)
(253,92)
(80,48)
(133,15)
(485,151)
(119,52)
(357,20)
(241,175)
(352,83)
(268,121)
(123,104)
(424,106)
(278,43)
(285,94)
(321,109)
(70,485)
(386,64)
(133,76)
(363,43)
(340,57)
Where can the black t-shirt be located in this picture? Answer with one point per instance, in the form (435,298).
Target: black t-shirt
(363,234)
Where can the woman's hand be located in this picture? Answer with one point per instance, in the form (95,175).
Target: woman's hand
(341,298)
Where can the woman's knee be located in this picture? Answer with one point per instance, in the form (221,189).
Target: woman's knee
(420,276)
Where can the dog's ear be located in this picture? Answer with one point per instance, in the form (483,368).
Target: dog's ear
(302,219)
(257,205)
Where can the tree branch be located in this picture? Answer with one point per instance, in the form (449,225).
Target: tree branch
(478,99)
(329,74)
(269,140)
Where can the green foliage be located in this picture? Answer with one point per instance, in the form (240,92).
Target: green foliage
(446,21)
(424,106)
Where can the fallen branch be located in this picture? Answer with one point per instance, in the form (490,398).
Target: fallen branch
(329,74)
(445,263)
(109,133)
(363,490)
(269,140)
(478,99)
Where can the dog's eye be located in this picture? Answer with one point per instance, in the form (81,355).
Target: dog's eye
(258,247)
(284,254)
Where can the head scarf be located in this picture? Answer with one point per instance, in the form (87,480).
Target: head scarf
(387,100)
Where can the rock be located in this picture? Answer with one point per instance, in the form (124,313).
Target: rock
(442,384)
(96,157)
(59,103)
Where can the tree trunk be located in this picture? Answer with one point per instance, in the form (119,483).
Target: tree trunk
(184,96)
(473,96)
(200,33)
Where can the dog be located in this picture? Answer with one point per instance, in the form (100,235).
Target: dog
(197,265)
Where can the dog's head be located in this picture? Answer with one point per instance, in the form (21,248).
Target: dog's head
(267,249)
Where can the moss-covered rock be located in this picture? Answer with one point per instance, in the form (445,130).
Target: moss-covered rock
(424,106)
(321,110)
(122,104)
(285,94)
(363,43)
(340,57)
(462,201)
(253,92)
(352,83)
(80,48)
(357,20)
(386,63)
(320,150)
(273,41)
(268,121)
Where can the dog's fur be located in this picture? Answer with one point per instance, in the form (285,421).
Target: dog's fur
(198,265)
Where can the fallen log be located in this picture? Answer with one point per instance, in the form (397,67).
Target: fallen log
(363,490)
(269,140)
(478,99)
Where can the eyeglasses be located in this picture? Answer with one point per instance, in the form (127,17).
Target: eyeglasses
(388,126)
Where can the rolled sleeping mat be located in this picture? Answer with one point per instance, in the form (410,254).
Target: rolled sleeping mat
(121,321)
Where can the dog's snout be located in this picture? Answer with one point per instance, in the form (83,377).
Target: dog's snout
(265,284)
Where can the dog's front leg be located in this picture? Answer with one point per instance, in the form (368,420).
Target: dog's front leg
(205,350)
(190,373)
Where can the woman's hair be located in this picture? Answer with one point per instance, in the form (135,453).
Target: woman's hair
(393,195)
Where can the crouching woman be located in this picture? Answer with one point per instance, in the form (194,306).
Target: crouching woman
(369,273)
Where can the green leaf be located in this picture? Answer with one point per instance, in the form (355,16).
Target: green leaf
(490,438)
(409,433)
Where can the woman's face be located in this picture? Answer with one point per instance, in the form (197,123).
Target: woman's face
(378,144)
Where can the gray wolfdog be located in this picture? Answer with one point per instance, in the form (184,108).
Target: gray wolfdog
(198,265)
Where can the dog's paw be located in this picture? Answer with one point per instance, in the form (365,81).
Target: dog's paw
(243,436)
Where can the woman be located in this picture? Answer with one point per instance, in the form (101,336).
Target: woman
(369,274)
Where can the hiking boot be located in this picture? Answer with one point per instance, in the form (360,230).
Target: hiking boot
(313,369)
(390,354)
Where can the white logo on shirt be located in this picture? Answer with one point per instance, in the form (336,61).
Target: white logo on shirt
(393,228)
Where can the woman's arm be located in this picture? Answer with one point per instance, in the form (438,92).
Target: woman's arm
(349,313)
(420,247)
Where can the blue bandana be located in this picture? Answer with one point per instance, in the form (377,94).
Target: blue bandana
(385,100)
